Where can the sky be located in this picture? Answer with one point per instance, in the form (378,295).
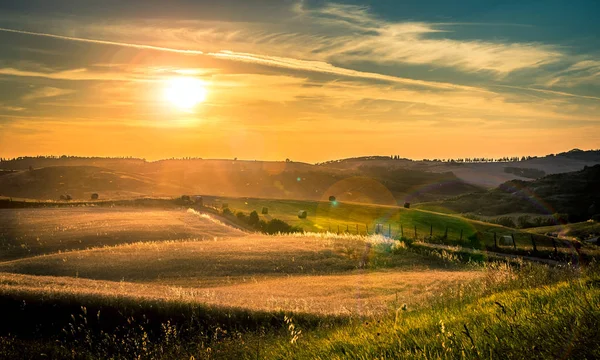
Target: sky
(305,80)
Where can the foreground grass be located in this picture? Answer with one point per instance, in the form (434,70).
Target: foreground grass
(552,321)
(532,311)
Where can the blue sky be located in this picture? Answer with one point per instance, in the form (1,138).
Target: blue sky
(497,77)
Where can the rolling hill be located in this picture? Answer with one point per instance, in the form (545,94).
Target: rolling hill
(575,193)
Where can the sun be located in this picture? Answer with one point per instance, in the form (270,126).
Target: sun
(185,93)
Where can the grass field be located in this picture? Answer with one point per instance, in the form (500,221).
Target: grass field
(580,231)
(327,274)
(396,221)
(150,283)
(27,232)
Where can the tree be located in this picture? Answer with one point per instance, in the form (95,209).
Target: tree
(253,218)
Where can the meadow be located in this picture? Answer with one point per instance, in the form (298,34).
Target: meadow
(150,283)
(396,222)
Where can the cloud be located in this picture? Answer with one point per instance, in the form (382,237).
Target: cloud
(581,72)
(409,42)
(45,92)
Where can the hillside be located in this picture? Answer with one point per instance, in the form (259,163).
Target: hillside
(575,193)
(233,178)
(80,182)
(374,179)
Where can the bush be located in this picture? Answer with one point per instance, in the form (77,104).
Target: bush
(524,221)
(242,217)
(275,226)
(505,221)
(227,212)
(253,218)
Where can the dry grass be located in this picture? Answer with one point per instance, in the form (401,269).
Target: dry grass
(27,232)
(359,293)
(316,273)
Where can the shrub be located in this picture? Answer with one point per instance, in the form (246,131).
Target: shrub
(524,221)
(505,221)
(227,212)
(275,226)
(253,218)
(241,216)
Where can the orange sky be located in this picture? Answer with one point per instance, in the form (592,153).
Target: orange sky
(282,89)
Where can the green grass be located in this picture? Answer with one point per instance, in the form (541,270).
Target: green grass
(533,311)
(393,220)
(552,321)
(581,230)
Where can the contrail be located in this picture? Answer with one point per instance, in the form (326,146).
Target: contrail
(105,42)
(281,62)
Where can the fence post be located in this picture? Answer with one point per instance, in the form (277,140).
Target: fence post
(346,228)
(389,230)
(533,243)
(446,233)
(401,230)
(367,228)
(430,231)
(461,230)
(338,229)
(495,241)
(357,229)
(415,232)
(555,248)
(514,243)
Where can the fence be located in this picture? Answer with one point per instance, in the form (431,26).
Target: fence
(519,241)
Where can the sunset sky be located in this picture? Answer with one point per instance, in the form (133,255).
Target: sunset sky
(305,80)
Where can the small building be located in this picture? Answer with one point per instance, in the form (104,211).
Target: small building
(265,210)
(407,205)
(302,214)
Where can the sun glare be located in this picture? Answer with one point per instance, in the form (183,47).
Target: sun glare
(185,92)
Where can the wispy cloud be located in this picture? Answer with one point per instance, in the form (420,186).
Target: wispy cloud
(45,92)
(408,42)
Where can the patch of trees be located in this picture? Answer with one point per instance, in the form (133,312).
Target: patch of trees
(525,172)
(253,221)
(526,221)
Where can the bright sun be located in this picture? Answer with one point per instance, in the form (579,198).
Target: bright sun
(185,92)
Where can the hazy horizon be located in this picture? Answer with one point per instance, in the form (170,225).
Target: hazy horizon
(198,157)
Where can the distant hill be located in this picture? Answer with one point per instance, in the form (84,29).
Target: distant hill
(575,193)
(482,173)
(371,179)
(282,180)
(79,182)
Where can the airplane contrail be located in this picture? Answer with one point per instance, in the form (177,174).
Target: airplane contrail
(104,42)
